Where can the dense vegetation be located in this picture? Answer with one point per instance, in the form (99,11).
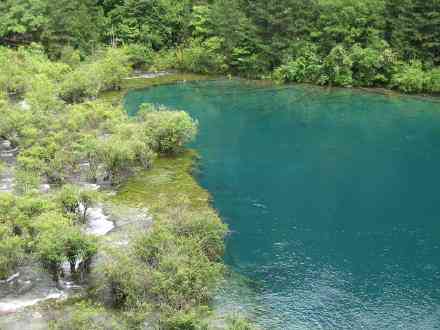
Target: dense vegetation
(58,57)
(64,132)
(386,43)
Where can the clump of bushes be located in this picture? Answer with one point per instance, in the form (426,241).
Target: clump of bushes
(168,130)
(89,79)
(376,65)
(413,77)
(37,227)
(175,267)
(86,315)
(304,68)
(12,251)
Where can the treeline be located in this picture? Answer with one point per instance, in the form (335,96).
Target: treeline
(387,43)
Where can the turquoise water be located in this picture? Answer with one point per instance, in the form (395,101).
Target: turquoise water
(332,197)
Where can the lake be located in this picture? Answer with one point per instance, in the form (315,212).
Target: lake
(332,197)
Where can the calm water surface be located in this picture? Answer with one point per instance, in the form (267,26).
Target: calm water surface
(333,199)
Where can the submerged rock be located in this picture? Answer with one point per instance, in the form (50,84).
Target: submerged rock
(29,286)
(98,223)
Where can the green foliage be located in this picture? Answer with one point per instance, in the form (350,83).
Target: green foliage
(12,252)
(86,316)
(337,68)
(412,26)
(305,68)
(372,66)
(348,22)
(168,130)
(57,240)
(89,79)
(76,202)
(70,56)
(47,113)
(140,56)
(226,36)
(202,56)
(172,270)
(55,24)
(175,266)
(433,83)
(26,181)
(410,78)
(192,320)
(22,19)
(156,24)
(239,323)
(117,156)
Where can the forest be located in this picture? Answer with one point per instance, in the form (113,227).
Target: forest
(58,61)
(378,43)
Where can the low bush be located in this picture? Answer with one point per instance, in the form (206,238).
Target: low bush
(12,252)
(202,57)
(305,68)
(89,79)
(87,316)
(410,78)
(168,130)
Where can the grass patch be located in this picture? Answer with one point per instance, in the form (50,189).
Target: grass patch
(169,184)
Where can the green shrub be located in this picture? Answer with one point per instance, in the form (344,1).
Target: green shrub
(117,156)
(239,323)
(306,67)
(139,56)
(337,68)
(165,60)
(202,56)
(89,79)
(12,253)
(433,85)
(26,181)
(75,202)
(207,228)
(57,241)
(181,275)
(168,130)
(87,316)
(112,67)
(70,56)
(245,61)
(410,78)
(80,84)
(372,65)
(189,320)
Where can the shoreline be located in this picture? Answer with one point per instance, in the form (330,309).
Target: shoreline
(169,184)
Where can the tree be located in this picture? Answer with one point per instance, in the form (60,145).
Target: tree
(22,20)
(87,199)
(76,202)
(412,28)
(57,241)
(157,23)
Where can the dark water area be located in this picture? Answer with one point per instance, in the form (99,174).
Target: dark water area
(332,197)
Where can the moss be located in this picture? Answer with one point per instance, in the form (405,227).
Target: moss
(167,185)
